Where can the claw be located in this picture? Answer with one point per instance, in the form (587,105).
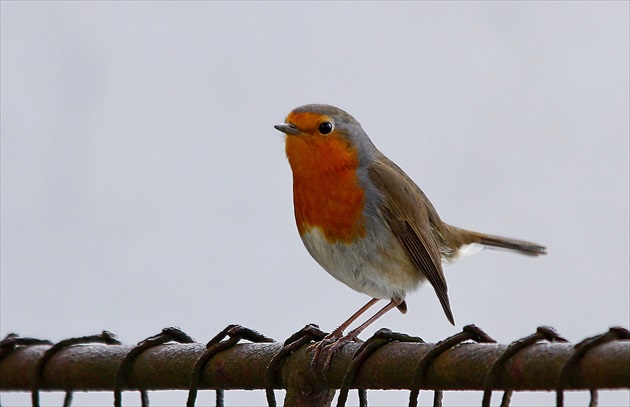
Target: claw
(339,344)
(318,347)
(328,347)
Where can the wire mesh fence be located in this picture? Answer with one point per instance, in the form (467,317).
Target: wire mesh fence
(311,371)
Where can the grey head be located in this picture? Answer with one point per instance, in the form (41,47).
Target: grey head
(342,123)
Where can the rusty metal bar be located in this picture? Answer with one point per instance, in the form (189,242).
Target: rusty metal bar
(169,366)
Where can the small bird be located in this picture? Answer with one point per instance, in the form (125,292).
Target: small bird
(364,220)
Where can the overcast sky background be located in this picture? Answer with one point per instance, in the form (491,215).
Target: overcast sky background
(144,186)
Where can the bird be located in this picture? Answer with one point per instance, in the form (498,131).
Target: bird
(365,221)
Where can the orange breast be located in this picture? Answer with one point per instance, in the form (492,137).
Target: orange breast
(326,190)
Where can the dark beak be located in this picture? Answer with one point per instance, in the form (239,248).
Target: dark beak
(287,128)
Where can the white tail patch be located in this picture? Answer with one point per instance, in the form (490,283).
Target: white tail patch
(464,251)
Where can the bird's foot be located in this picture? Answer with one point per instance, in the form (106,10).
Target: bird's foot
(318,347)
(327,347)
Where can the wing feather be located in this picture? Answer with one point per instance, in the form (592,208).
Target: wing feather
(408,215)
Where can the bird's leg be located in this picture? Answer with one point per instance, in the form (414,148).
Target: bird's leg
(338,333)
(352,335)
(332,345)
(335,335)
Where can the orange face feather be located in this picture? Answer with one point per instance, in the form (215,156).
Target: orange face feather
(326,192)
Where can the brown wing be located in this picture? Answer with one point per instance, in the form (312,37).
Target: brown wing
(406,211)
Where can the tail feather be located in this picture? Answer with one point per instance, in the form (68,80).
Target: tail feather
(497,242)
(505,243)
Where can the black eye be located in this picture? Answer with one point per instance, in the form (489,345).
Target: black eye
(325,127)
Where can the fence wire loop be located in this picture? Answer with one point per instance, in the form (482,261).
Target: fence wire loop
(381,338)
(310,333)
(13,341)
(492,377)
(214,346)
(171,334)
(469,332)
(104,337)
(569,370)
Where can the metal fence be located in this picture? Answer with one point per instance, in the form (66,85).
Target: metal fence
(240,358)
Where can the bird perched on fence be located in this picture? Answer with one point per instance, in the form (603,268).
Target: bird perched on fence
(364,220)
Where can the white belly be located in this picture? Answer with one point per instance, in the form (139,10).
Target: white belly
(378,268)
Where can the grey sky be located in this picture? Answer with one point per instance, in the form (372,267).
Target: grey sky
(144,186)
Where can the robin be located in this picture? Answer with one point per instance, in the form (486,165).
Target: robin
(364,220)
